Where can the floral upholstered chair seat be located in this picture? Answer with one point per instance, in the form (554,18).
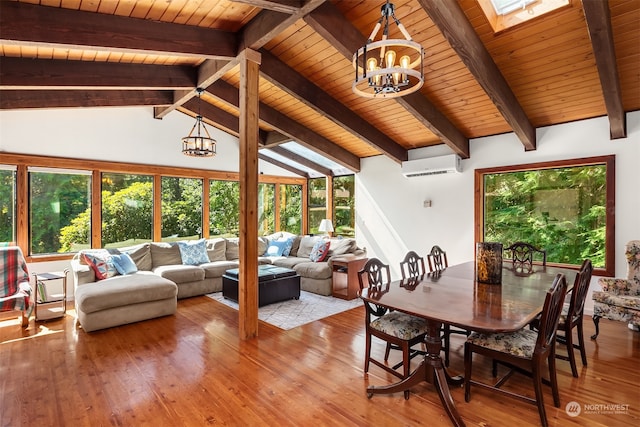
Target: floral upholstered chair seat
(401,325)
(520,343)
(619,299)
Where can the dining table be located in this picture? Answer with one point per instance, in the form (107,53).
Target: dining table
(453,296)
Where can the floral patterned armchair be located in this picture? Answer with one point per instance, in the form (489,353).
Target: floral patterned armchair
(619,299)
(15,292)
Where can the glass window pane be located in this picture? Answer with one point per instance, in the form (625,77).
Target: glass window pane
(224,205)
(317,203)
(560,210)
(291,208)
(60,212)
(344,206)
(181,208)
(266,209)
(7,205)
(127,209)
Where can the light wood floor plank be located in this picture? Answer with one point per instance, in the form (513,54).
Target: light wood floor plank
(191,369)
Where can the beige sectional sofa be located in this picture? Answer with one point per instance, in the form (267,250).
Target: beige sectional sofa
(162,277)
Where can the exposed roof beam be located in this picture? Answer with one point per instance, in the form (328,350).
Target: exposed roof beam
(53,26)
(283,165)
(327,21)
(15,99)
(281,75)
(301,160)
(294,130)
(21,73)
(273,139)
(598,19)
(456,28)
(284,6)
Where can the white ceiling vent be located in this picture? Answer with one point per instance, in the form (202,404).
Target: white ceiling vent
(432,166)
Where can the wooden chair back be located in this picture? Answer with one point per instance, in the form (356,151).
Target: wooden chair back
(551,315)
(412,266)
(523,254)
(437,259)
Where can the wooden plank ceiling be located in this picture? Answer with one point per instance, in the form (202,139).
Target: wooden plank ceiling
(578,62)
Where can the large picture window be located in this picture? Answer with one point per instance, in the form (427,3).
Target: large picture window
(224,208)
(317,203)
(565,208)
(344,205)
(7,204)
(181,208)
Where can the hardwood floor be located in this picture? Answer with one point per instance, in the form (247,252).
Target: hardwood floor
(191,369)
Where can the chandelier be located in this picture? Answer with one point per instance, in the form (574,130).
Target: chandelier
(377,73)
(199,145)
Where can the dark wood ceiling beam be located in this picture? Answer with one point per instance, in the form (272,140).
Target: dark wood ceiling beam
(281,75)
(229,95)
(274,138)
(23,73)
(598,19)
(327,21)
(283,165)
(301,160)
(456,28)
(284,6)
(18,99)
(53,26)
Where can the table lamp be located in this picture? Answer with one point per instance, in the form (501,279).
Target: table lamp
(326,226)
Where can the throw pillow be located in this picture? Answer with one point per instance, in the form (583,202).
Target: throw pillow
(279,247)
(217,249)
(101,263)
(320,251)
(124,264)
(194,252)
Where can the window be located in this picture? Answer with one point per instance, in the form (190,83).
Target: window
(266,209)
(317,203)
(291,208)
(344,206)
(563,207)
(127,209)
(59,210)
(181,208)
(7,204)
(224,204)
(503,14)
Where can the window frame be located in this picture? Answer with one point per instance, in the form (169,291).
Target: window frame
(608,161)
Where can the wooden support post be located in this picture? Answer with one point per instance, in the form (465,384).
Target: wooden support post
(249,139)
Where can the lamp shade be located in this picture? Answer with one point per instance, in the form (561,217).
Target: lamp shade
(325,226)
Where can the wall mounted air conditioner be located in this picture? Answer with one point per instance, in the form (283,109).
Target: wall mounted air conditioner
(432,166)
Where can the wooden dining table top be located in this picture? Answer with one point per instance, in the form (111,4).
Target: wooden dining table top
(454,296)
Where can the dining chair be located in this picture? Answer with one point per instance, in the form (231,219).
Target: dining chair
(399,330)
(571,317)
(523,254)
(524,351)
(412,266)
(437,259)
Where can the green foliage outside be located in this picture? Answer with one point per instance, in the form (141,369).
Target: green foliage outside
(560,210)
(181,207)
(266,209)
(291,208)
(224,203)
(344,205)
(317,189)
(7,198)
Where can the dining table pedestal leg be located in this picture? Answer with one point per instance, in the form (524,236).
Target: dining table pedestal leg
(431,370)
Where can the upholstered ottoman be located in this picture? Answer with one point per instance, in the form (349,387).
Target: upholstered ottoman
(124,299)
(275,284)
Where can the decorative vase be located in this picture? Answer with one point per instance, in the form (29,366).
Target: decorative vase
(489,262)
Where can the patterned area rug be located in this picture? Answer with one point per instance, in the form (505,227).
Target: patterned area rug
(293,313)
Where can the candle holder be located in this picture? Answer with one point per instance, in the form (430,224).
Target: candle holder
(489,262)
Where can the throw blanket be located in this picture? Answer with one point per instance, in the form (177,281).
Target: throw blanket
(15,293)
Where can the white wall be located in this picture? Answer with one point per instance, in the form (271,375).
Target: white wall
(391,218)
(115,134)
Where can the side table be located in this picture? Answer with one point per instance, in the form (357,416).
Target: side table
(50,305)
(345,275)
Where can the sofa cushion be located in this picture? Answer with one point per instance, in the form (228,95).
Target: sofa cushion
(120,291)
(314,270)
(217,268)
(124,264)
(141,255)
(342,246)
(288,262)
(179,273)
(295,245)
(193,252)
(320,251)
(233,249)
(216,249)
(165,254)
(263,244)
(306,246)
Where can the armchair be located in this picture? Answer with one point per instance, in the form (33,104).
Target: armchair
(619,299)
(15,292)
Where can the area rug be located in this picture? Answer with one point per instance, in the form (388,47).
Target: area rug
(293,313)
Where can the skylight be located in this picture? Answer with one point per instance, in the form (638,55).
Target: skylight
(503,14)
(502,7)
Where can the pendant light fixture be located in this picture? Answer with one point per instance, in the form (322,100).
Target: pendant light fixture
(199,143)
(388,68)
